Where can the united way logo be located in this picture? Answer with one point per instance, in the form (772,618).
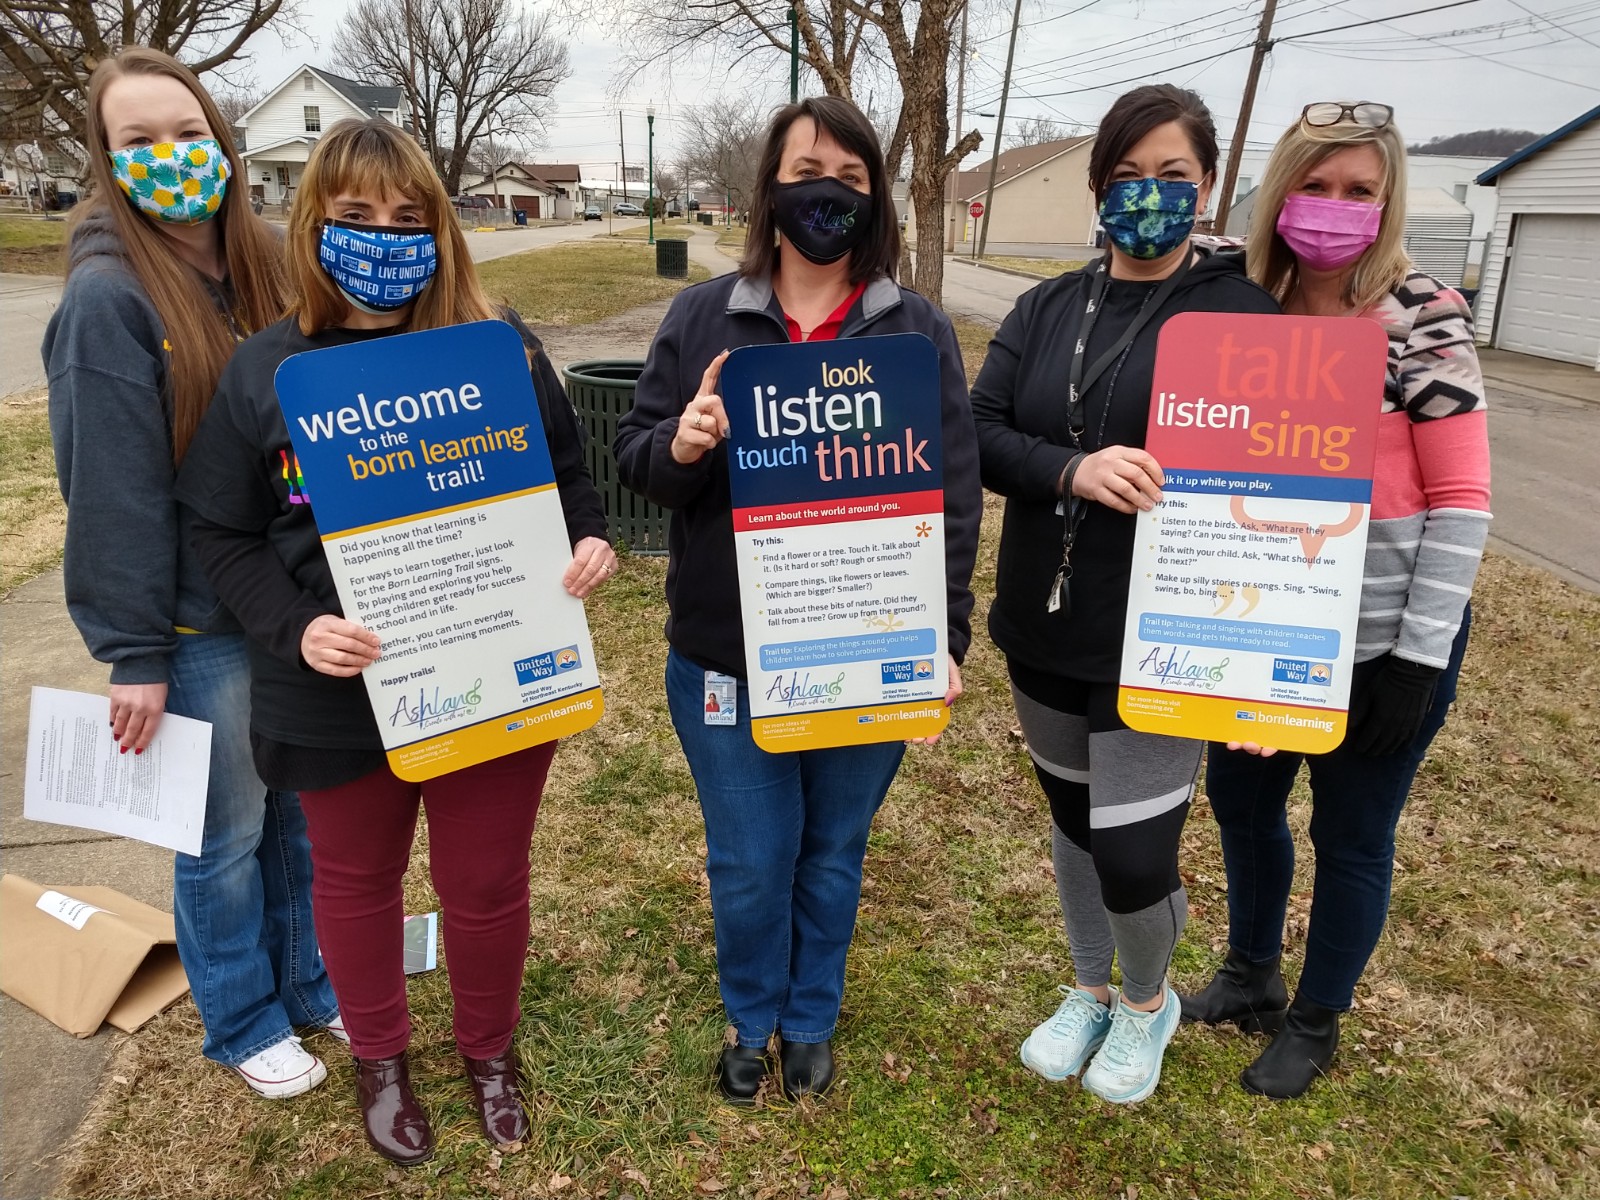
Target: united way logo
(543,666)
(924,668)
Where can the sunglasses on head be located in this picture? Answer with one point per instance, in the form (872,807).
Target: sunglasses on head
(1364,112)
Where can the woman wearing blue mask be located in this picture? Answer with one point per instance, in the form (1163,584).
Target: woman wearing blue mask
(168,270)
(369,198)
(1061,407)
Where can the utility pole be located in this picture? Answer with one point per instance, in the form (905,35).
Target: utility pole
(1230,177)
(999,133)
(794,51)
(961,99)
(623,150)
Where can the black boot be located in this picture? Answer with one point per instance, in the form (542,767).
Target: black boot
(808,1068)
(740,1071)
(1249,995)
(1302,1051)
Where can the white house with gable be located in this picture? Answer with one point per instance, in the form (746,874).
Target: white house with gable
(280,131)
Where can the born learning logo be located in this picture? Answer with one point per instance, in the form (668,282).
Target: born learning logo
(435,708)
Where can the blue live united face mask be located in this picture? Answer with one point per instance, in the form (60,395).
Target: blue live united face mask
(379,268)
(1148,218)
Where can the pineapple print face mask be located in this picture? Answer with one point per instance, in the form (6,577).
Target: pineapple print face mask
(181,182)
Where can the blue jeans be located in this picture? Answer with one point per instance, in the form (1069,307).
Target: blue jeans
(785,838)
(1355,805)
(243,908)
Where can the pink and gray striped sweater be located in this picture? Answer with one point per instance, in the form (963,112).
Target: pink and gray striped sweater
(1430,496)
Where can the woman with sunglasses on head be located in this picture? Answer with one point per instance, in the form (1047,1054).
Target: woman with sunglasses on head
(786,834)
(1327,241)
(1061,406)
(168,270)
(312,727)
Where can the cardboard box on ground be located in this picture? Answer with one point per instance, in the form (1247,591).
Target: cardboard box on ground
(78,956)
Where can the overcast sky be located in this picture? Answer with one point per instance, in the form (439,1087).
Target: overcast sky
(1533,64)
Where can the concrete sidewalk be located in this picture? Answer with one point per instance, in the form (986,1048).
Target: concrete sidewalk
(1531,376)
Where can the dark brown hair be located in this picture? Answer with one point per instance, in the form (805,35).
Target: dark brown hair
(199,338)
(879,252)
(1135,114)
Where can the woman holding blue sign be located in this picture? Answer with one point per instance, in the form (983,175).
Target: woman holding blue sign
(786,833)
(169,269)
(1328,240)
(368,184)
(1061,407)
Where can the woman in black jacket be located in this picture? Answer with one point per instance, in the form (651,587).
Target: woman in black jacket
(1061,408)
(785,833)
(311,725)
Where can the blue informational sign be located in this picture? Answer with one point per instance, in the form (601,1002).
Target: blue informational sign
(836,471)
(443,529)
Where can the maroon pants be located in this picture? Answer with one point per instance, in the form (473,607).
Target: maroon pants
(480,828)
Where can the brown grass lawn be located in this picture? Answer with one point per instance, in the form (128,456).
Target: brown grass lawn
(1469,1067)
(576,283)
(33,245)
(33,519)
(1045,268)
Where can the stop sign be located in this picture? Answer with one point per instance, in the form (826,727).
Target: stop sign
(976,210)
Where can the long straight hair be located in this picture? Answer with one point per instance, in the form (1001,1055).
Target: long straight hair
(1383,265)
(878,252)
(200,339)
(375,158)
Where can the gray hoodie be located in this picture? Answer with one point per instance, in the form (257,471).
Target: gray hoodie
(131,578)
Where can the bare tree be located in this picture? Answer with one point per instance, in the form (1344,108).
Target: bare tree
(469,69)
(52,46)
(1035,131)
(721,148)
(233,103)
(668,184)
(840,40)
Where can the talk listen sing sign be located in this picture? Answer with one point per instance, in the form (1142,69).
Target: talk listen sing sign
(1246,582)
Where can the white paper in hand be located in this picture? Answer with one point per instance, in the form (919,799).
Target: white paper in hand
(78,777)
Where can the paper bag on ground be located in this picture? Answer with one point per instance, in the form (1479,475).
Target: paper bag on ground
(81,955)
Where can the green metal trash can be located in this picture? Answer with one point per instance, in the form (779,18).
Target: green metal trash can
(601,391)
(672,258)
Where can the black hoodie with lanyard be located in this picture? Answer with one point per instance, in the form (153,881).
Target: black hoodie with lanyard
(1029,430)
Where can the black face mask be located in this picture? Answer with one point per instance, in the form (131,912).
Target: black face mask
(823,218)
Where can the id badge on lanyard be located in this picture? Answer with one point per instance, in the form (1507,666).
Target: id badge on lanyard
(722,699)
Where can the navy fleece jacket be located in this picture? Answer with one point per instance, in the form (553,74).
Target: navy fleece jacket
(702,575)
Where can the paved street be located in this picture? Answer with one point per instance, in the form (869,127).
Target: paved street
(26,302)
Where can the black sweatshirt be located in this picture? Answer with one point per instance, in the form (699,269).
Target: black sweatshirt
(1020,406)
(704,624)
(256,536)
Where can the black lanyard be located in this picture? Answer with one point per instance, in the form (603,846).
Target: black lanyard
(1079,382)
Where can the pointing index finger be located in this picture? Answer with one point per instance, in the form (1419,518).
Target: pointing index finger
(708,381)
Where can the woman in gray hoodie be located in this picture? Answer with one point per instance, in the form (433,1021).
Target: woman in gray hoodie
(168,270)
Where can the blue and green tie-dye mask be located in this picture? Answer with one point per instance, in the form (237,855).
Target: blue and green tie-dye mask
(1148,218)
(181,182)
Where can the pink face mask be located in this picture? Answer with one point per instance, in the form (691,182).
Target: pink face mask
(1328,234)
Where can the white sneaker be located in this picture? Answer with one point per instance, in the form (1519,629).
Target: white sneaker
(1059,1047)
(335,1029)
(282,1069)
(1128,1066)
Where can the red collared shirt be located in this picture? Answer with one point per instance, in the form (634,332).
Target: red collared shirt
(829,329)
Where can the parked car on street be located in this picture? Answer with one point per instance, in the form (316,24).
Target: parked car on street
(591,212)
(627,209)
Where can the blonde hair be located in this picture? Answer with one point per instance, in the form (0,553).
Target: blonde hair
(201,339)
(1383,265)
(376,158)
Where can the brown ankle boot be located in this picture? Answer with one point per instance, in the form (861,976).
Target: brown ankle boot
(494,1085)
(397,1128)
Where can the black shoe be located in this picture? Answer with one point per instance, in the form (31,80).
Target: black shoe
(1302,1051)
(807,1067)
(740,1071)
(1249,995)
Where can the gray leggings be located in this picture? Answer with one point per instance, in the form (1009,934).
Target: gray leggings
(1118,802)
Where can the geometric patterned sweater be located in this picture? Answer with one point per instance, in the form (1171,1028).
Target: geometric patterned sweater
(1430,493)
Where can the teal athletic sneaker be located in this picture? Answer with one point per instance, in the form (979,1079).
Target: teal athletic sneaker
(1128,1066)
(1058,1048)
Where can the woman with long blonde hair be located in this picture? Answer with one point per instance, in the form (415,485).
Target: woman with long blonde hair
(1327,239)
(368,182)
(168,270)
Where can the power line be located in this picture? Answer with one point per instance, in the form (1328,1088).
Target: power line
(1550,22)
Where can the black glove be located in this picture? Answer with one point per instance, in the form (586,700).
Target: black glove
(1387,714)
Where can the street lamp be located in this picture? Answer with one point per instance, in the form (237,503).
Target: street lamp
(650,174)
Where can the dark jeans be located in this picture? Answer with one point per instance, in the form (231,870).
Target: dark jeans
(1355,806)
